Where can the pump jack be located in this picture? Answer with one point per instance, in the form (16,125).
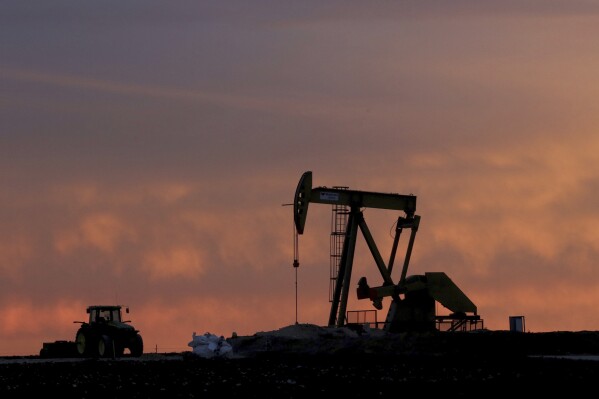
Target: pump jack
(413,297)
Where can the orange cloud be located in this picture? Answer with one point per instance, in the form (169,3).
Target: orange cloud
(174,261)
(15,250)
(102,231)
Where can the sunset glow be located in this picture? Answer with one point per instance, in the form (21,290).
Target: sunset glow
(147,153)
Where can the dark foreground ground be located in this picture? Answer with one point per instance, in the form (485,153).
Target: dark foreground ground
(312,361)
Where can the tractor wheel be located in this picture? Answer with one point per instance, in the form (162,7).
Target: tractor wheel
(137,346)
(105,348)
(82,343)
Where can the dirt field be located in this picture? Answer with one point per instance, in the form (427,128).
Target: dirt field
(304,361)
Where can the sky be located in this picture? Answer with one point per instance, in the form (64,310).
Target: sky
(149,151)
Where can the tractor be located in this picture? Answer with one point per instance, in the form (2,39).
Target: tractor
(105,334)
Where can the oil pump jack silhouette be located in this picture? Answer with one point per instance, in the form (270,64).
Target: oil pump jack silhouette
(413,297)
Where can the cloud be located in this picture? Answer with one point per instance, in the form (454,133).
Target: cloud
(99,231)
(148,164)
